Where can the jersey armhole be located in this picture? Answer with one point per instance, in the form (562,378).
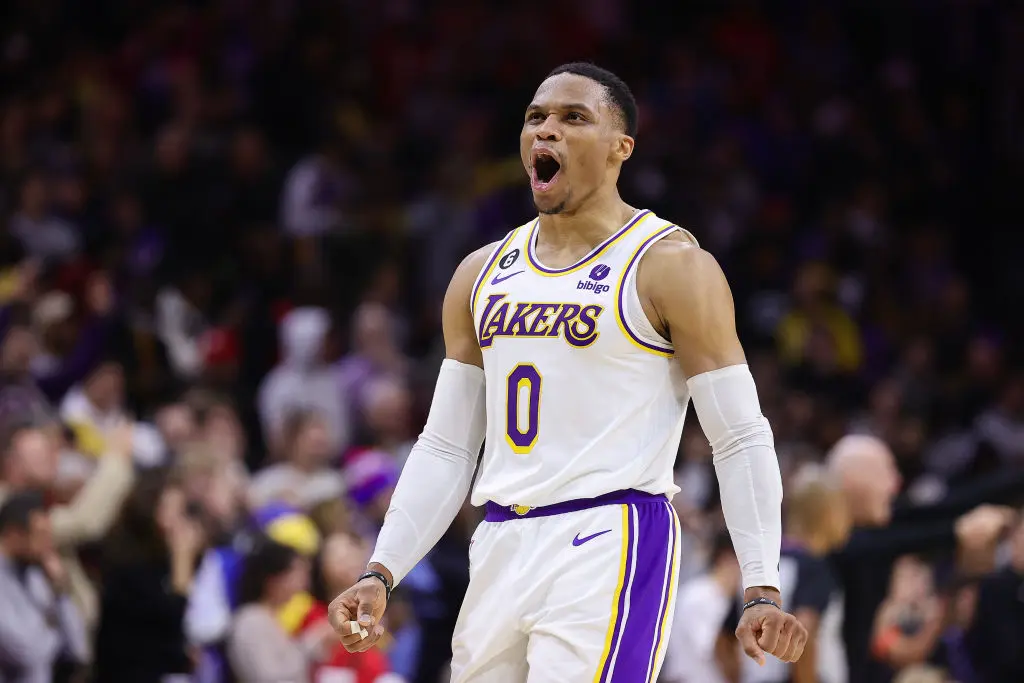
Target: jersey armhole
(630,313)
(492,260)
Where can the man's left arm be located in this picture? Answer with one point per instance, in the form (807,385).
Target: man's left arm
(686,295)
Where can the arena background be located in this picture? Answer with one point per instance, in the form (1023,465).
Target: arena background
(230,223)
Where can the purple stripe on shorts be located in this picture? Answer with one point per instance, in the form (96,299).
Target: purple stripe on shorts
(505,513)
(631,656)
(627,576)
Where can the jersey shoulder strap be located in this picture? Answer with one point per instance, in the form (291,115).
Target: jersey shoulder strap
(504,255)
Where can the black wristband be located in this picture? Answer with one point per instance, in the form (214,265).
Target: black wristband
(761,601)
(370,574)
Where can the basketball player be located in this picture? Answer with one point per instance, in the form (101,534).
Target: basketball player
(573,348)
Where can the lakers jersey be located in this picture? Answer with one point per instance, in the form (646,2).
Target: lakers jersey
(584,396)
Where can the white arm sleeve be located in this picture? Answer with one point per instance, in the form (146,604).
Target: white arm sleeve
(437,476)
(747,468)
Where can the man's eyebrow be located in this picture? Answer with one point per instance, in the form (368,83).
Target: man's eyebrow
(568,105)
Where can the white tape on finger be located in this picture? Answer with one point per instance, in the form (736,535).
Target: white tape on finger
(353,627)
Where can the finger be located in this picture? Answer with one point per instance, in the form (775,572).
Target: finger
(371,639)
(796,643)
(749,643)
(769,638)
(351,642)
(783,643)
(786,623)
(341,611)
(365,610)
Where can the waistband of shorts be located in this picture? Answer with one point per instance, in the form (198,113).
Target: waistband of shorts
(505,513)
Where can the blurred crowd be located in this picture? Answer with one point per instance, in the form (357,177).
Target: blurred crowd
(226,227)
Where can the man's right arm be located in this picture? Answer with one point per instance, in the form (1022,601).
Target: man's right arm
(437,475)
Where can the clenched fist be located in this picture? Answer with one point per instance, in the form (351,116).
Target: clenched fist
(767,629)
(357,611)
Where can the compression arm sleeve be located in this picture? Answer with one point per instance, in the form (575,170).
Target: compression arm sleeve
(438,473)
(747,468)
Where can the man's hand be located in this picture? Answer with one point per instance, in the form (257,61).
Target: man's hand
(983,525)
(766,629)
(360,607)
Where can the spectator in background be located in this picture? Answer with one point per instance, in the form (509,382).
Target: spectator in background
(259,649)
(817,338)
(816,524)
(303,380)
(388,413)
(910,620)
(699,650)
(316,189)
(148,570)
(42,635)
(375,353)
(42,234)
(91,408)
(864,468)
(181,321)
(29,382)
(304,473)
(29,462)
(371,475)
(994,640)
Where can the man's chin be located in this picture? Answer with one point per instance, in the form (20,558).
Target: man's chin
(547,206)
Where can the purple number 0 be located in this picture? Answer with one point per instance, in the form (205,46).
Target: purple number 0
(523,376)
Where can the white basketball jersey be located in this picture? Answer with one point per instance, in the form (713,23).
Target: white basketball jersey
(584,397)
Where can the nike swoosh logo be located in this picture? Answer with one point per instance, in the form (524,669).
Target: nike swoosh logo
(581,541)
(499,278)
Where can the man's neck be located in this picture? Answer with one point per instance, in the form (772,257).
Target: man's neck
(588,225)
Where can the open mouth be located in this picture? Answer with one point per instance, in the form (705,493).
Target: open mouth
(545,169)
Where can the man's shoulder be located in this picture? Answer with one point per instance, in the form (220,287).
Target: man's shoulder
(678,266)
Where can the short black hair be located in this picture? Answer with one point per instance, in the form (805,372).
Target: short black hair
(17,510)
(618,92)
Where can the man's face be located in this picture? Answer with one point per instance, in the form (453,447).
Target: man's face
(572,142)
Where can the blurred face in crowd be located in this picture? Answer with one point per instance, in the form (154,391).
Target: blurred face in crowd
(281,588)
(105,388)
(176,423)
(20,346)
(312,445)
(911,582)
(572,143)
(223,432)
(387,408)
(32,543)
(374,331)
(866,470)
(32,459)
(344,558)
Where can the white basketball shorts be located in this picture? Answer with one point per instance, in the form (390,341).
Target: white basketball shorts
(577,592)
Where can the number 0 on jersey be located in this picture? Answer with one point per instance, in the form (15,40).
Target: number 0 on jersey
(522,410)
